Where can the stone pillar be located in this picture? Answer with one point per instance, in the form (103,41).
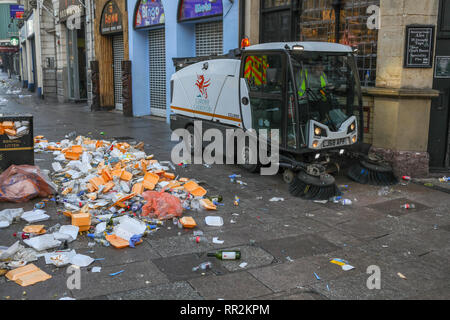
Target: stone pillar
(402,97)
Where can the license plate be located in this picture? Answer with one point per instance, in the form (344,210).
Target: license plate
(334,143)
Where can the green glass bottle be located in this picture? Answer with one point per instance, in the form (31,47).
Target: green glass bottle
(226,255)
(217,198)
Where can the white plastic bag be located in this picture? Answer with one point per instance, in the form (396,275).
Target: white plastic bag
(44,242)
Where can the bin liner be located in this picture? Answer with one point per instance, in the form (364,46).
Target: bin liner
(22,183)
(161,205)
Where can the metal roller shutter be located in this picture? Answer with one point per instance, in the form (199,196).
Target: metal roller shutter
(118,56)
(209,38)
(157,54)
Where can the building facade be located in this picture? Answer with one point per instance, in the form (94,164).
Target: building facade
(56,42)
(10,13)
(406,104)
(160,30)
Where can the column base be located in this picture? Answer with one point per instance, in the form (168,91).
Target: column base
(406,163)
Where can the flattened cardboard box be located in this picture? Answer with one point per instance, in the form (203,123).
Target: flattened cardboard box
(16,140)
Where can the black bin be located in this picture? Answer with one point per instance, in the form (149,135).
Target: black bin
(16,140)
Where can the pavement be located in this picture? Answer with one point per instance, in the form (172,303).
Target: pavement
(287,245)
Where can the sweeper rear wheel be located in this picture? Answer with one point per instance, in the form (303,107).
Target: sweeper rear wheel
(372,172)
(309,187)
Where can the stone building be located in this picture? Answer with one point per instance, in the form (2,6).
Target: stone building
(404,52)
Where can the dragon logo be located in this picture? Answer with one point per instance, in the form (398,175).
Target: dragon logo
(202,85)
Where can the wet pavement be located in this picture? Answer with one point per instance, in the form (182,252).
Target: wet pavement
(287,245)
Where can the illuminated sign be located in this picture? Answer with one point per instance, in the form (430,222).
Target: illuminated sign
(149,13)
(194,9)
(111,22)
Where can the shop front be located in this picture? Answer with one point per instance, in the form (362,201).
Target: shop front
(111,50)
(75,30)
(149,19)
(167,29)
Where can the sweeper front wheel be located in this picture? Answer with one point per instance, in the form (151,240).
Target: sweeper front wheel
(375,173)
(310,187)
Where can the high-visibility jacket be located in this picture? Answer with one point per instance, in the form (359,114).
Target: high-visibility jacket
(256,68)
(304,78)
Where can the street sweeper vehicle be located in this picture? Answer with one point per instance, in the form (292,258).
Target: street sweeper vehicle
(309,91)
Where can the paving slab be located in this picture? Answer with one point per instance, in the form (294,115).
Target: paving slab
(297,247)
(136,275)
(393,207)
(355,288)
(170,291)
(295,274)
(233,286)
(179,267)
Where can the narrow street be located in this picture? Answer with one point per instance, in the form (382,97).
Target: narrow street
(287,245)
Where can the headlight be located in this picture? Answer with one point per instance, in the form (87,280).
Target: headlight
(351,128)
(315,144)
(320,132)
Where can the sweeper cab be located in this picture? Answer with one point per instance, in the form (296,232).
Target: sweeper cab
(309,91)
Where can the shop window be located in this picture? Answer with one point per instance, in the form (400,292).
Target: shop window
(317,23)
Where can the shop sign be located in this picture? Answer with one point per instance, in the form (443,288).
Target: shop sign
(14,41)
(194,9)
(68,8)
(149,13)
(16,11)
(111,22)
(442,67)
(419,46)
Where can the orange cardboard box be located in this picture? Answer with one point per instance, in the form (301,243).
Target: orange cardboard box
(138,188)
(37,229)
(148,185)
(72,155)
(117,242)
(77,149)
(84,228)
(207,204)
(10,132)
(8,124)
(151,178)
(96,182)
(81,219)
(108,186)
(188,222)
(27,275)
(194,189)
(127,176)
(169,175)
(106,175)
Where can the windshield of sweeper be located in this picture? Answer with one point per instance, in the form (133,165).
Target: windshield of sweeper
(327,87)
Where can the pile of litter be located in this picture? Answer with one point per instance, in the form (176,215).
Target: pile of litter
(118,188)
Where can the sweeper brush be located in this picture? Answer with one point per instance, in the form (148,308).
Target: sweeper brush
(314,187)
(368,172)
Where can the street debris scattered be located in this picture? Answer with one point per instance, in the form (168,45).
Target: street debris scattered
(344,264)
(401,276)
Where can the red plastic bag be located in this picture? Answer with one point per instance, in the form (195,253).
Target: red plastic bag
(161,205)
(23,183)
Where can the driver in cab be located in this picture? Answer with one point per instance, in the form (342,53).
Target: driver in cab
(313,76)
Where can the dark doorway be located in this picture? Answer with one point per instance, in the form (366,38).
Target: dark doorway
(279,21)
(439,139)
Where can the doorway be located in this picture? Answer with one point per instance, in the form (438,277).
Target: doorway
(439,135)
(77,67)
